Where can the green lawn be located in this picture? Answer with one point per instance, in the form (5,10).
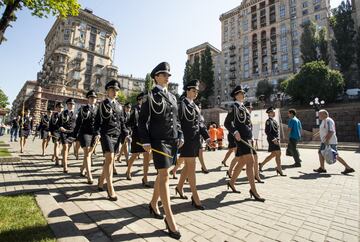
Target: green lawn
(22,220)
(4,152)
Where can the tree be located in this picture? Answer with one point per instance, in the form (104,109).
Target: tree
(315,79)
(344,38)
(265,88)
(207,76)
(149,83)
(121,97)
(39,8)
(187,73)
(308,43)
(132,98)
(322,43)
(195,69)
(4,100)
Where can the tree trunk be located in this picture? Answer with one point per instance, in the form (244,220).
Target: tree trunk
(7,17)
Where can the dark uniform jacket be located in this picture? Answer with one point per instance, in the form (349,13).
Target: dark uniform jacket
(54,124)
(109,119)
(133,122)
(67,120)
(272,129)
(25,123)
(44,123)
(239,119)
(158,119)
(191,121)
(85,122)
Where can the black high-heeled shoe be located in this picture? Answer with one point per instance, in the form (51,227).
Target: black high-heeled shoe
(145,184)
(173,234)
(279,173)
(204,171)
(260,199)
(156,215)
(200,207)
(90,182)
(128,176)
(232,188)
(115,198)
(259,180)
(228,174)
(224,163)
(182,196)
(173,174)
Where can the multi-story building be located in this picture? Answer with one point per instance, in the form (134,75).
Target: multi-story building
(261,40)
(196,52)
(26,91)
(130,84)
(356,14)
(79,52)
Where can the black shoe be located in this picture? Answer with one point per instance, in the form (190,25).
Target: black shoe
(100,189)
(260,167)
(232,188)
(347,171)
(173,234)
(260,199)
(90,182)
(204,171)
(173,174)
(224,163)
(279,173)
(156,215)
(115,198)
(200,207)
(182,196)
(145,184)
(128,176)
(296,165)
(259,180)
(320,170)
(66,171)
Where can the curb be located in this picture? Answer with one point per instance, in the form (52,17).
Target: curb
(61,225)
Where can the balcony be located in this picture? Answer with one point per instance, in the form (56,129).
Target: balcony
(232,55)
(232,47)
(232,77)
(233,62)
(232,69)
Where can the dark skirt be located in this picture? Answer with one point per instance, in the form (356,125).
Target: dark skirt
(169,147)
(44,134)
(242,149)
(272,146)
(135,148)
(24,133)
(67,138)
(231,141)
(55,137)
(190,148)
(110,143)
(85,140)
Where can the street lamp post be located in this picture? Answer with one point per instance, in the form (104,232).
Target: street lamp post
(316,104)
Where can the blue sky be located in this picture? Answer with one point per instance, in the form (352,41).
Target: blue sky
(148,32)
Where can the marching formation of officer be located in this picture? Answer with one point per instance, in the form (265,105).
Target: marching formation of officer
(84,130)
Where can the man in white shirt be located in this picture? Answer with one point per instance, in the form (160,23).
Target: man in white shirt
(328,137)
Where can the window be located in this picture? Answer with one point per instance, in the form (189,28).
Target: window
(305,4)
(245,25)
(81,42)
(317,17)
(282,11)
(316,2)
(317,7)
(284,58)
(67,34)
(283,30)
(305,12)
(102,45)
(285,66)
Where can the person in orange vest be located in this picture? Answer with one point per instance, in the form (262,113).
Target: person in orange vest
(220,137)
(213,134)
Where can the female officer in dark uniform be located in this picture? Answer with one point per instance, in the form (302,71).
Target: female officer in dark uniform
(109,124)
(238,123)
(44,130)
(273,138)
(25,129)
(159,128)
(192,127)
(136,149)
(67,122)
(84,130)
(55,132)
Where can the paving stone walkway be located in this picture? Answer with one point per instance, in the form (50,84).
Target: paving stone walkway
(303,206)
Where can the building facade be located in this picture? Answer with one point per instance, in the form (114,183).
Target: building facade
(26,91)
(196,52)
(130,84)
(261,41)
(356,14)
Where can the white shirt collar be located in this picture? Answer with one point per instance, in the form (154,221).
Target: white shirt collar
(240,103)
(161,88)
(111,101)
(190,101)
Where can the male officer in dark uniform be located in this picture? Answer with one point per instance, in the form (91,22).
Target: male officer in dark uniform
(84,130)
(273,138)
(44,130)
(160,129)
(55,132)
(67,122)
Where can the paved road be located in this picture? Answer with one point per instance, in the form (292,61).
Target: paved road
(300,207)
